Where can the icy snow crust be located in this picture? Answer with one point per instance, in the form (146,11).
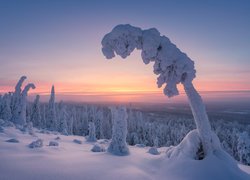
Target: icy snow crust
(77,161)
(172,65)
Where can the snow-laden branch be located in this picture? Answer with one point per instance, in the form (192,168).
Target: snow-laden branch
(172,65)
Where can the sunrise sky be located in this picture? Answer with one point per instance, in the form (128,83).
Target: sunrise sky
(59,42)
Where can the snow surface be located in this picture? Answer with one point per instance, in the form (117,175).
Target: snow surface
(76,161)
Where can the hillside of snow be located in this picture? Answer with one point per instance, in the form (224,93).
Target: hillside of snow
(75,160)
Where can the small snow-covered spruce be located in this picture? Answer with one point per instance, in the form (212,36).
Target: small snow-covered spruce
(51,116)
(5,110)
(19,102)
(63,116)
(118,145)
(36,118)
(172,66)
(92,136)
(243,148)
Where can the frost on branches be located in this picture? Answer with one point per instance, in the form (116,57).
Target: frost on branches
(170,64)
(118,145)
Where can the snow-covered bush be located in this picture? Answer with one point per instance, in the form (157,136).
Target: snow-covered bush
(36,144)
(92,136)
(53,143)
(98,148)
(153,151)
(118,145)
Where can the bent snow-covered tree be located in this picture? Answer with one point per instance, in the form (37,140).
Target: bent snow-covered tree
(19,101)
(172,66)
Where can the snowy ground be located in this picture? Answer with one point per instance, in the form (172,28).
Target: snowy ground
(70,160)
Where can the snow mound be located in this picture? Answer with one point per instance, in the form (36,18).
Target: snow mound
(98,148)
(77,141)
(153,151)
(53,143)
(57,138)
(36,144)
(13,140)
(191,146)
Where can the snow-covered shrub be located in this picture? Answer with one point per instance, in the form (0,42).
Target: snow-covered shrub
(53,143)
(92,136)
(13,140)
(36,144)
(118,145)
(153,151)
(243,148)
(77,141)
(98,148)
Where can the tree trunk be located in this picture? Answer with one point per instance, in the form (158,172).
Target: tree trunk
(200,116)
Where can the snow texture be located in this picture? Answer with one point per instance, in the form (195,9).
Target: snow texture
(118,144)
(72,161)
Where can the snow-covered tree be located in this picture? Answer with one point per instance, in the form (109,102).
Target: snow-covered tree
(92,135)
(5,110)
(19,102)
(63,117)
(51,115)
(172,66)
(243,148)
(118,145)
(36,118)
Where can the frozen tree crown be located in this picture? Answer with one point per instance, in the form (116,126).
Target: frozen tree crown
(172,65)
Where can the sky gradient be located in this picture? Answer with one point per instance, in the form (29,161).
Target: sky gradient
(59,42)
